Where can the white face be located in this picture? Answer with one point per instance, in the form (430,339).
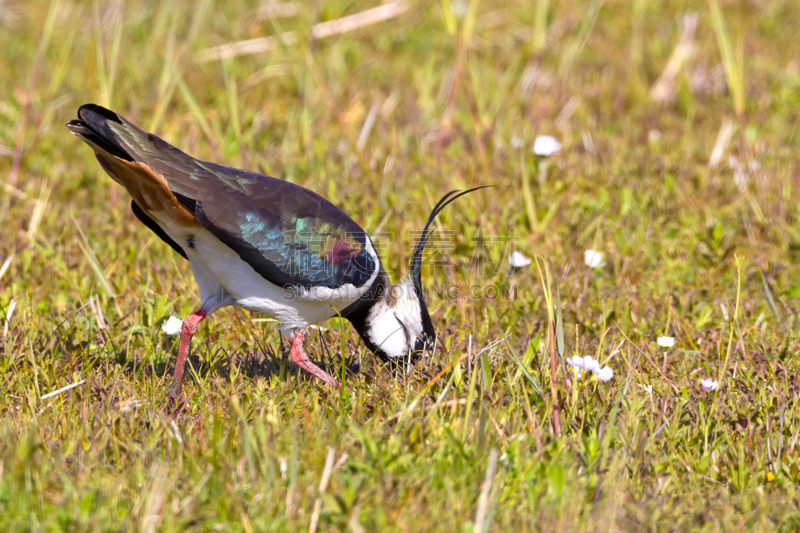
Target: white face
(386,331)
(395,328)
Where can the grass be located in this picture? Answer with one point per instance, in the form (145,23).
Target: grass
(492,431)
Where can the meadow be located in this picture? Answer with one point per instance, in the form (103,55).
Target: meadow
(678,126)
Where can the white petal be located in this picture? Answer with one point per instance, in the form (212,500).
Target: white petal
(666,342)
(516,142)
(172,326)
(586,363)
(593,259)
(604,374)
(590,364)
(576,361)
(545,146)
(709,384)
(517,260)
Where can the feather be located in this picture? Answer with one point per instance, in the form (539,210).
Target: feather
(416,256)
(155,228)
(290,235)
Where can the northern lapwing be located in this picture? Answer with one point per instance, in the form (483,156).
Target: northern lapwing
(263,244)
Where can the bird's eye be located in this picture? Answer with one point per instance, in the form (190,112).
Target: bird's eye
(419,345)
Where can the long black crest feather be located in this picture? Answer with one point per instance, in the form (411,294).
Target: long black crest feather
(416,257)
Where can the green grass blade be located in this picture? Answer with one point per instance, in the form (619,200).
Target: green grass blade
(88,253)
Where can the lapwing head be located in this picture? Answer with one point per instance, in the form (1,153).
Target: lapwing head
(398,326)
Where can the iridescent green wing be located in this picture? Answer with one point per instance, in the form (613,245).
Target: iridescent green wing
(289,235)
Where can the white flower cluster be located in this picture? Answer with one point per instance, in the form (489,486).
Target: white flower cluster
(582,365)
(587,364)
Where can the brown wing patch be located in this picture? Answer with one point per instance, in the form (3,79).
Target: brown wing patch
(148,188)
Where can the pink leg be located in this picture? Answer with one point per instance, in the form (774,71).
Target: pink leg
(300,358)
(187,331)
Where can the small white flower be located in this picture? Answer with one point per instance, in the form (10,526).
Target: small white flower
(666,342)
(172,326)
(709,384)
(578,367)
(545,146)
(587,363)
(517,260)
(517,142)
(582,365)
(604,374)
(593,259)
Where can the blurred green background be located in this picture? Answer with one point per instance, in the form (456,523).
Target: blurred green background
(678,122)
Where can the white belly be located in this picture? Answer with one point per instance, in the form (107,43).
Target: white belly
(225,279)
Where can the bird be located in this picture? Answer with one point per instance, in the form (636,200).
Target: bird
(265,245)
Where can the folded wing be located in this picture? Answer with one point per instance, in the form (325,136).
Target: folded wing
(289,235)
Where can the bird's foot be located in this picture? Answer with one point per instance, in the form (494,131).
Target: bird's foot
(300,358)
(174,401)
